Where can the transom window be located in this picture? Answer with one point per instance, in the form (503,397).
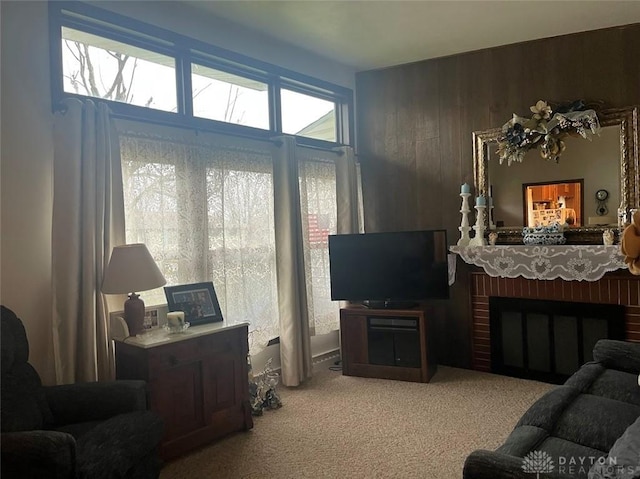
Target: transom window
(223,96)
(103,68)
(146,72)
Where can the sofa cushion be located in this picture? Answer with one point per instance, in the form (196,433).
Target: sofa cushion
(584,377)
(522,440)
(623,461)
(594,378)
(618,385)
(24,406)
(569,457)
(546,411)
(595,421)
(78,429)
(621,355)
(114,446)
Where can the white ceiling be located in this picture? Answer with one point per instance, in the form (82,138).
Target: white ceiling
(375,34)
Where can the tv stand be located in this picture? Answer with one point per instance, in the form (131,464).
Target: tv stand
(387,344)
(389,304)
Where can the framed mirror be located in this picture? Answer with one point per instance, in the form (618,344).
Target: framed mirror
(608,162)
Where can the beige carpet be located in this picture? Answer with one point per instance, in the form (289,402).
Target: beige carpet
(338,426)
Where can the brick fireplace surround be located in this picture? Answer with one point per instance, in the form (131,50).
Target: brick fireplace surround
(619,287)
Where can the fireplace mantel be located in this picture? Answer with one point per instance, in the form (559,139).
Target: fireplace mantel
(567,262)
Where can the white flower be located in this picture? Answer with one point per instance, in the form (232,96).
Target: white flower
(541,111)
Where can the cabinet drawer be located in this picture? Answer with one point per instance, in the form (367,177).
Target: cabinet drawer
(223,343)
(182,352)
(172,355)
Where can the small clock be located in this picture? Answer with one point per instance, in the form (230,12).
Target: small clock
(601,198)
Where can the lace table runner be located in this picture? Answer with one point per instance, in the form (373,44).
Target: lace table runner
(571,263)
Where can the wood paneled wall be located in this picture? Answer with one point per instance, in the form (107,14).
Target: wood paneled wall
(415,123)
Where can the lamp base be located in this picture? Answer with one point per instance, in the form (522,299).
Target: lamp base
(134,314)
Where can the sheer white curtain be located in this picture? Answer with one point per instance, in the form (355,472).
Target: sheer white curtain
(203,205)
(88,220)
(250,216)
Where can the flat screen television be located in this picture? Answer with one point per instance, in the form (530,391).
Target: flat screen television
(388,268)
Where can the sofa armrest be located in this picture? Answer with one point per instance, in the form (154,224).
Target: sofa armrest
(38,454)
(621,355)
(95,401)
(483,464)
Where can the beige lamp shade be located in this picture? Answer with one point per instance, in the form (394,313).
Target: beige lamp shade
(131,268)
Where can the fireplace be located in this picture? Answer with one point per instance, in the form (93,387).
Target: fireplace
(617,288)
(548,340)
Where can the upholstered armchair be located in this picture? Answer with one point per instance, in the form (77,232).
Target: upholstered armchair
(85,430)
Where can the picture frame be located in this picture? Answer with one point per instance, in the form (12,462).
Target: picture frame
(151,318)
(198,301)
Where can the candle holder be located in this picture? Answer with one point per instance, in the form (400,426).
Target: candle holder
(479,227)
(492,225)
(464,227)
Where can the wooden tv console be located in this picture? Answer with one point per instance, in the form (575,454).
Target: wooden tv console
(387,344)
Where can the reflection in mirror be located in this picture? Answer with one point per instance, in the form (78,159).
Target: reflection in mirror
(594,161)
(558,202)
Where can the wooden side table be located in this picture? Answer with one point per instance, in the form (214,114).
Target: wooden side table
(197,381)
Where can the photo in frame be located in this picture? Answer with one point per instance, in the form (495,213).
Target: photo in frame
(198,301)
(151,319)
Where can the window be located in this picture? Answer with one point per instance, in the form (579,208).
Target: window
(222,96)
(305,115)
(149,73)
(204,206)
(206,214)
(203,202)
(319,219)
(99,67)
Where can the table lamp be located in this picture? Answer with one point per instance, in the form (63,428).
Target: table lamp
(131,268)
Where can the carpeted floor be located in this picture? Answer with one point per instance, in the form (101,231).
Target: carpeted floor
(338,426)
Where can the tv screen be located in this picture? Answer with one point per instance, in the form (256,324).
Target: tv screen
(399,266)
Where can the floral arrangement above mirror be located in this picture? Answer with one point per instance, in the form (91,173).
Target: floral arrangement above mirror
(546,129)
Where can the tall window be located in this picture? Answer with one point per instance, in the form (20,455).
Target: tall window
(203,203)
(319,219)
(206,213)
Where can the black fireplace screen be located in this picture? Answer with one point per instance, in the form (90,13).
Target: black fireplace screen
(548,340)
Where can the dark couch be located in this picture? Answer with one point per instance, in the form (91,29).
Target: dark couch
(588,427)
(86,430)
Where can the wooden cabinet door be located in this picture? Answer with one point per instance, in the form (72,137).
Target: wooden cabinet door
(176,394)
(225,382)
(220,383)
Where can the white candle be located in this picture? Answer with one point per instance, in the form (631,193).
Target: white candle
(175,319)
(481,201)
(465,188)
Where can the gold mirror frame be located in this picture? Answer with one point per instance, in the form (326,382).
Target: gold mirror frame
(627,120)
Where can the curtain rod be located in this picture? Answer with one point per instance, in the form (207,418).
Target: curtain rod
(60,107)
